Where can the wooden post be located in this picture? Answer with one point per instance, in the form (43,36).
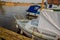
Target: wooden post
(1,9)
(42,5)
(10,35)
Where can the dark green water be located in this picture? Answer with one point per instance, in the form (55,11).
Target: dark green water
(8,22)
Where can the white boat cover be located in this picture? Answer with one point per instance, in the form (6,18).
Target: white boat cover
(50,21)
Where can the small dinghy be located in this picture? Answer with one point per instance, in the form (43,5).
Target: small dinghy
(47,25)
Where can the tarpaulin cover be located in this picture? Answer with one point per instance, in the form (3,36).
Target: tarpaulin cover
(33,9)
(49,20)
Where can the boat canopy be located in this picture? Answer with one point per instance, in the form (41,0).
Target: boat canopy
(49,20)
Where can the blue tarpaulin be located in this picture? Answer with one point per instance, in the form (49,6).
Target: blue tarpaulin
(34,9)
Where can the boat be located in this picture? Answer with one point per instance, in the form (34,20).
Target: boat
(46,26)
